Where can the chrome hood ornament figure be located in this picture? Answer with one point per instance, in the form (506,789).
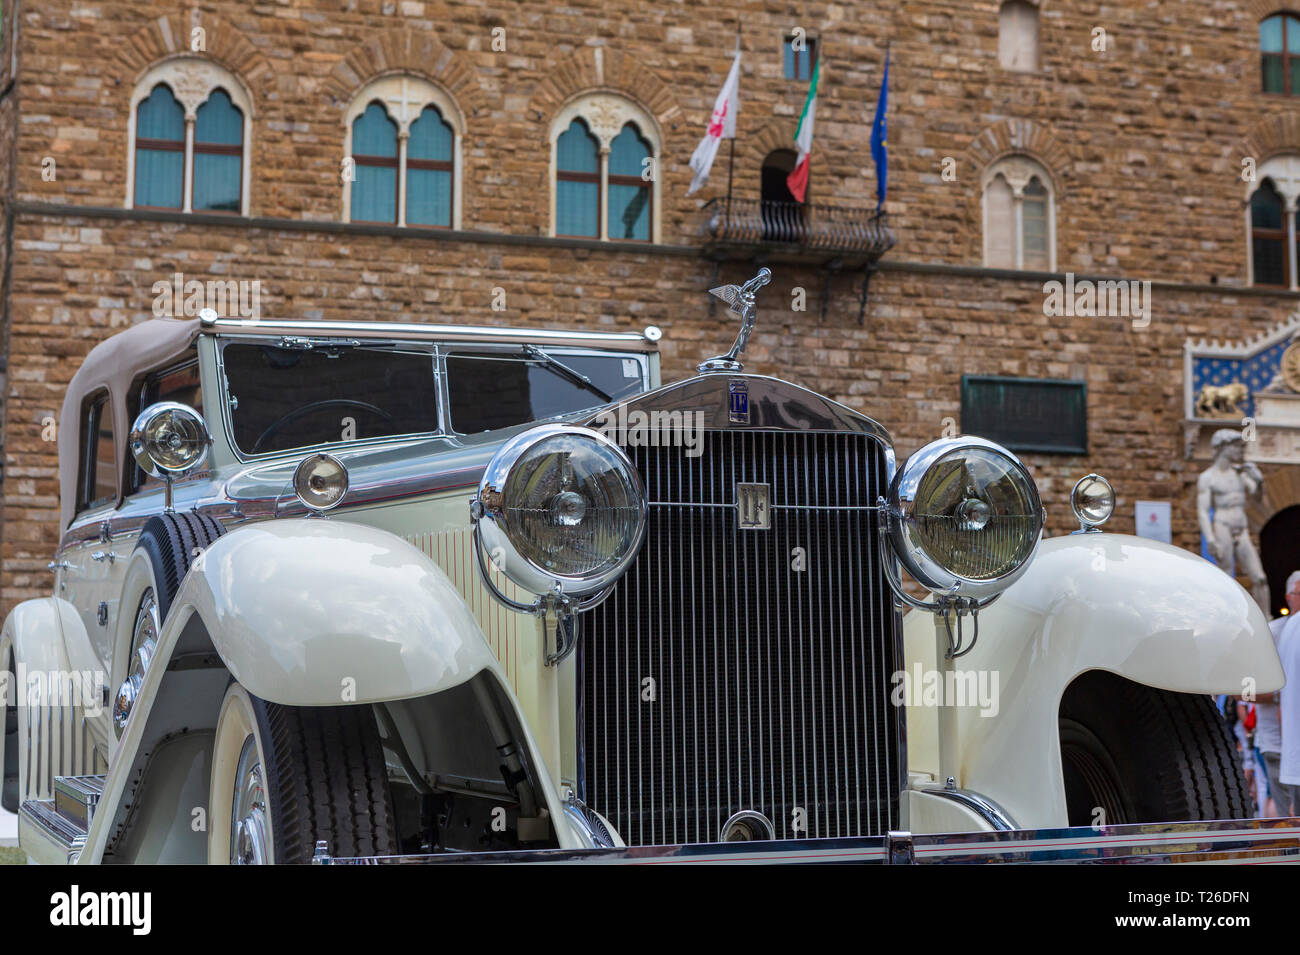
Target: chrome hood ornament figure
(739,299)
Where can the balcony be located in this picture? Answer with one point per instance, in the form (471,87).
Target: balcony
(834,238)
(793,230)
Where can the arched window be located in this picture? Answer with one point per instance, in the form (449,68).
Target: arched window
(218,155)
(577,185)
(1279,53)
(1018,36)
(374,154)
(160,151)
(781,214)
(1019,216)
(629,190)
(428,170)
(1271,222)
(605,150)
(188,137)
(1268,234)
(404,138)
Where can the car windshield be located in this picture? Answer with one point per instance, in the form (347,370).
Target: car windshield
(285,397)
(500,389)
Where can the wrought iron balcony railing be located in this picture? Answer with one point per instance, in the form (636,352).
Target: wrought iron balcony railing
(811,227)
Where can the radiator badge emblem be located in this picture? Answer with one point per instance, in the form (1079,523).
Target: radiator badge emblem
(754,506)
(738,409)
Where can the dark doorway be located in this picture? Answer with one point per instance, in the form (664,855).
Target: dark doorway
(782,215)
(1279,550)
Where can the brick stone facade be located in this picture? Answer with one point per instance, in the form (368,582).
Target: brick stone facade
(1144,143)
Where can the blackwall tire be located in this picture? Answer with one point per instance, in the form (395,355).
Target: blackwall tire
(1139,755)
(167,547)
(284,777)
(173,541)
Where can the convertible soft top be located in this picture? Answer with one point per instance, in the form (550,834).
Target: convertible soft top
(114,364)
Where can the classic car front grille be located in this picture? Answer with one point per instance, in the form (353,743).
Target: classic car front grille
(736,669)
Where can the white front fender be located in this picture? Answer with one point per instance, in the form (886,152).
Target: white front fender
(312,613)
(1152,613)
(321,612)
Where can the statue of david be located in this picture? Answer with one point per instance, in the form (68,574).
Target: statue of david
(1224,486)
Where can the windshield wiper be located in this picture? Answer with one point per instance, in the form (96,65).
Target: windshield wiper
(572,374)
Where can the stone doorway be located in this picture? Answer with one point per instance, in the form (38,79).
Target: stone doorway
(1279,550)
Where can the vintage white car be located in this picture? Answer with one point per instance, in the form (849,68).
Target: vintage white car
(356,592)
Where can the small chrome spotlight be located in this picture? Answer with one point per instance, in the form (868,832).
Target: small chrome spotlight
(1093,502)
(320,481)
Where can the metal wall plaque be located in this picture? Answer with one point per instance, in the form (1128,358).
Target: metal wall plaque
(1047,415)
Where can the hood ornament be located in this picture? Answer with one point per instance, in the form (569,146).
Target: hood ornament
(739,299)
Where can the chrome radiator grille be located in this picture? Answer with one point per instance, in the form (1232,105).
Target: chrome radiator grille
(738,669)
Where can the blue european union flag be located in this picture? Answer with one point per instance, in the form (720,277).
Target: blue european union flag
(879,152)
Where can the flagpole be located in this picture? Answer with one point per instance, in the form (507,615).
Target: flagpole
(731,152)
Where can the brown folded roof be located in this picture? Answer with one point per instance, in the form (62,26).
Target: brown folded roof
(114,364)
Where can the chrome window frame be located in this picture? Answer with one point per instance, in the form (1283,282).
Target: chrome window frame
(228,425)
(138,391)
(451,350)
(439,352)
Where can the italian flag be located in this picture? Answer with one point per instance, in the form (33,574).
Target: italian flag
(797,181)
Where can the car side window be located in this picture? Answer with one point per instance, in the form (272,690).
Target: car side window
(178,383)
(97,472)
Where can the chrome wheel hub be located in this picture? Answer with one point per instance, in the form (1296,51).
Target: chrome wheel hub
(249,844)
(144,640)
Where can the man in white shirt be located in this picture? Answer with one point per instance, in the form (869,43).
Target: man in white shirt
(1288,649)
(1268,738)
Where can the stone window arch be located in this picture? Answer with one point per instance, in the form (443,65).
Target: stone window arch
(605,154)
(404,136)
(189,134)
(1271,202)
(1018,36)
(1019,202)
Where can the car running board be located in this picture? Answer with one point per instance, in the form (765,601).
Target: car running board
(55,829)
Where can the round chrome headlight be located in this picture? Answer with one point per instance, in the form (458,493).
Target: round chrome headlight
(168,439)
(320,481)
(964,517)
(561,505)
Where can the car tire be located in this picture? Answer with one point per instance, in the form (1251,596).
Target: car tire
(284,777)
(1139,755)
(167,547)
(172,542)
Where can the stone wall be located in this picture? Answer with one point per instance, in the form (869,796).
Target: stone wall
(1144,141)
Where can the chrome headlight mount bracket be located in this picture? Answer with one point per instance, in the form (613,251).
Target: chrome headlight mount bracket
(558,610)
(945,605)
